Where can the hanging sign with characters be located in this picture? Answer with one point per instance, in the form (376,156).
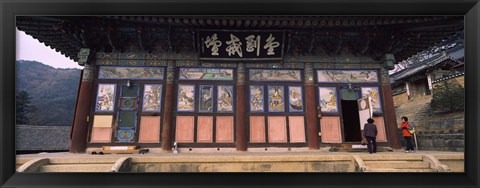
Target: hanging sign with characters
(245,45)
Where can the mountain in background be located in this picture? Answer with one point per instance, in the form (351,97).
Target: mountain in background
(53,91)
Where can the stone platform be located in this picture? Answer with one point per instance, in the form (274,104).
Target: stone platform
(234,161)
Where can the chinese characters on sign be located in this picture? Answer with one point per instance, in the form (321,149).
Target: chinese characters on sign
(214,43)
(234,46)
(271,45)
(241,45)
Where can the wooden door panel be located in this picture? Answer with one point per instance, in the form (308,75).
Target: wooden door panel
(330,129)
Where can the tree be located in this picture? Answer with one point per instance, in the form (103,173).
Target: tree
(23,107)
(448,95)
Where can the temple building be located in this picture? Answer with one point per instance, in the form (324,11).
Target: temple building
(235,83)
(418,79)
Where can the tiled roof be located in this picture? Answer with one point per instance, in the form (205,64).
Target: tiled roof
(402,36)
(32,137)
(454,54)
(457,52)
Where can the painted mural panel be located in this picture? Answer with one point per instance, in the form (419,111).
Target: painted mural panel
(274,75)
(152,94)
(148,73)
(225,98)
(125,135)
(256,98)
(105,97)
(128,103)
(374,94)
(328,99)
(205,74)
(347,76)
(276,99)
(295,99)
(186,98)
(206,98)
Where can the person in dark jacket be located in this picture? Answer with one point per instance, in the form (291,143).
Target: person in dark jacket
(408,137)
(370,133)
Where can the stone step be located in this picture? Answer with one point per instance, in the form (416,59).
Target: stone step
(400,170)
(76,168)
(20,161)
(409,109)
(363,150)
(397,164)
(424,110)
(406,157)
(449,157)
(84,160)
(415,103)
(409,112)
(413,107)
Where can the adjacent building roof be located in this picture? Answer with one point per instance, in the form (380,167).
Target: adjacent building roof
(42,138)
(455,54)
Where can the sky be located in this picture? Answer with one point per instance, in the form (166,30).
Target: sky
(29,48)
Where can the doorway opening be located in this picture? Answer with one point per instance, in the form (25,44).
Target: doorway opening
(351,121)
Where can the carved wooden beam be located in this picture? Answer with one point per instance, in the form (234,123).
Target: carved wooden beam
(254,23)
(106,32)
(194,22)
(239,23)
(312,41)
(247,23)
(139,37)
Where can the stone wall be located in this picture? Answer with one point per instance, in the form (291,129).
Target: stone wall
(253,163)
(459,79)
(441,141)
(400,99)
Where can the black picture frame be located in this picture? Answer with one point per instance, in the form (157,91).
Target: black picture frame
(10,9)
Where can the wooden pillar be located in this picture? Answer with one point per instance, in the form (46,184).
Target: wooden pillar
(80,125)
(310,108)
(390,117)
(407,87)
(168,109)
(241,109)
(430,84)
